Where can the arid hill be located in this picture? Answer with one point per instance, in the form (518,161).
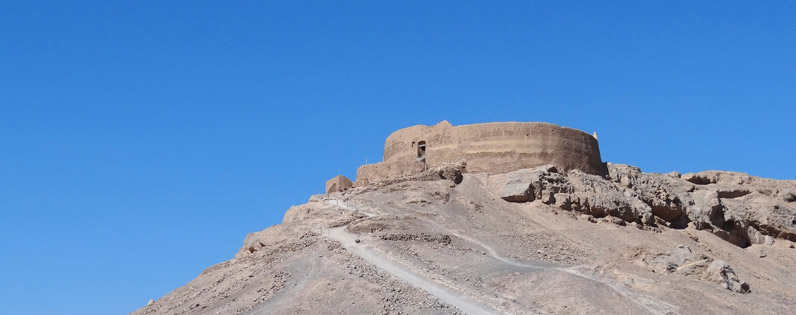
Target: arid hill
(541,239)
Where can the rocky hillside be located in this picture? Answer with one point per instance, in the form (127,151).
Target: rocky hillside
(533,241)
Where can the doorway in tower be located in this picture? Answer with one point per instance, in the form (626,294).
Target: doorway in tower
(421,150)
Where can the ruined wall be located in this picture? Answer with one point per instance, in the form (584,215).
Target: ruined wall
(490,147)
(338,183)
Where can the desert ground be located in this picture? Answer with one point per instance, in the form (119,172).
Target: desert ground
(563,243)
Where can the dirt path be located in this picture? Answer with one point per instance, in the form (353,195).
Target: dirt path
(443,293)
(650,305)
(348,205)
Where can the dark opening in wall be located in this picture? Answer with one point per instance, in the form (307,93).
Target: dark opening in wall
(421,150)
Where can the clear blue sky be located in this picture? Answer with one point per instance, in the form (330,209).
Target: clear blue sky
(142,140)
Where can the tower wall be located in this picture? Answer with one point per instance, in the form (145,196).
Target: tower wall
(490,147)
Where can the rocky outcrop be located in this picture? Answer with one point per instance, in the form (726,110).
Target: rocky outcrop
(576,191)
(682,261)
(541,182)
(666,195)
(593,195)
(739,208)
(448,171)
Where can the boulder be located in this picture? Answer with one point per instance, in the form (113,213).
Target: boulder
(755,237)
(518,186)
(680,258)
(789,196)
(541,182)
(720,272)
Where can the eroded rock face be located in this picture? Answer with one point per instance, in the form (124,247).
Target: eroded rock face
(667,195)
(739,208)
(594,195)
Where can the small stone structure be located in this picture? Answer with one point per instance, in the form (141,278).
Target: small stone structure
(498,147)
(338,183)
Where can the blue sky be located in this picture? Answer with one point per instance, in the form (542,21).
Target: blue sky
(142,140)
